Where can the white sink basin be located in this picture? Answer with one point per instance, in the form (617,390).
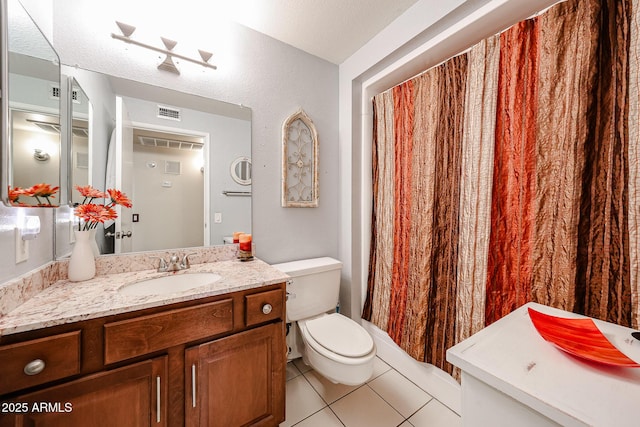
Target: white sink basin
(170,284)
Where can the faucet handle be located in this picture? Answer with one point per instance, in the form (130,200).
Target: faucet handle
(185,260)
(162,265)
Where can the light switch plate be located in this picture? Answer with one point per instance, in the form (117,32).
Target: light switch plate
(22,247)
(217,217)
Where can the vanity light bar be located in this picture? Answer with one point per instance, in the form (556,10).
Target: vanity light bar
(167,64)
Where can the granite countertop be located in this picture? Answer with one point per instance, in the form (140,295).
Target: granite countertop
(67,302)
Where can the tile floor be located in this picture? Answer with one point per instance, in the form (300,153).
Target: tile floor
(388,399)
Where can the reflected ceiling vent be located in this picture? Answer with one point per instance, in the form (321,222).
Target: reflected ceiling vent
(81,132)
(47,127)
(54,92)
(169,113)
(55,128)
(149,141)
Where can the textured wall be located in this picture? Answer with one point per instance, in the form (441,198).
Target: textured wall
(257,71)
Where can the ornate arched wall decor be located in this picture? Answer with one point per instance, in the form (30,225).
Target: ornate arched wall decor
(299,162)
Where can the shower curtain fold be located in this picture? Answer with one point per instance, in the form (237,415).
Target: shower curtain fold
(475,186)
(509,265)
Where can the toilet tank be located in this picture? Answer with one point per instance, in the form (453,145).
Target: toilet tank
(314,286)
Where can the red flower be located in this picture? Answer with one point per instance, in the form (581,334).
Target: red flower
(37,191)
(42,190)
(89,191)
(119,198)
(93,214)
(15,193)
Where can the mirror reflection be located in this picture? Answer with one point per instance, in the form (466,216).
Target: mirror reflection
(33,169)
(79,155)
(171,153)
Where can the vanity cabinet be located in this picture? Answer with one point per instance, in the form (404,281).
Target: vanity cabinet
(130,396)
(235,381)
(215,361)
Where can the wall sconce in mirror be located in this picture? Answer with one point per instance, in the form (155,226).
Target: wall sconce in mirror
(41,156)
(299,162)
(241,170)
(168,64)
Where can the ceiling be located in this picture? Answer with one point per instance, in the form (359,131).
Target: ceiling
(330,29)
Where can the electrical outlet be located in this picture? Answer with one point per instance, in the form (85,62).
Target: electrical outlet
(22,247)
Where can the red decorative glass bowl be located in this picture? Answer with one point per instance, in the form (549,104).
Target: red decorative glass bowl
(581,338)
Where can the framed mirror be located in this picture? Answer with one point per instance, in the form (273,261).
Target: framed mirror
(240,170)
(31,114)
(169,152)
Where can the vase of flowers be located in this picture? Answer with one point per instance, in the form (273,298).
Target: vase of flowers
(82,265)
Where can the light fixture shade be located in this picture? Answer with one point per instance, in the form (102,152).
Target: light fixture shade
(206,56)
(126,29)
(168,43)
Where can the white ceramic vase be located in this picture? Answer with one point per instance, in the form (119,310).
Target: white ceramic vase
(94,243)
(82,265)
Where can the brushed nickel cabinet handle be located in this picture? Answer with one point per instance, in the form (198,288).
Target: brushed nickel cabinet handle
(34,367)
(158,399)
(193,385)
(266,309)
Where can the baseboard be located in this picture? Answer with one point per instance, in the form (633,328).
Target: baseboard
(434,381)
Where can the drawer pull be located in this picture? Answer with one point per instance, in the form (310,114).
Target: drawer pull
(34,367)
(266,309)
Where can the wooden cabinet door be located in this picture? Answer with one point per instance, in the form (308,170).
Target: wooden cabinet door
(130,396)
(238,380)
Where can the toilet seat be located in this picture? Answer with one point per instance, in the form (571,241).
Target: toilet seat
(337,335)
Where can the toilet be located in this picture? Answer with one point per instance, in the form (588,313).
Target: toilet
(332,344)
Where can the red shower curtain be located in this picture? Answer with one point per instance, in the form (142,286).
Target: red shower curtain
(503,176)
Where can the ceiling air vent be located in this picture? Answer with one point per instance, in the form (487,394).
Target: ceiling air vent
(54,92)
(169,113)
(150,141)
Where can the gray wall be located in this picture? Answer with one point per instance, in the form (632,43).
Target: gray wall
(272,78)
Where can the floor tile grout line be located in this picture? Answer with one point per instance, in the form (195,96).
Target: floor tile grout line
(393,407)
(367,383)
(340,398)
(409,379)
(336,415)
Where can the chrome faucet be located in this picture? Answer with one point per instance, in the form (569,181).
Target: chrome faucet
(174,264)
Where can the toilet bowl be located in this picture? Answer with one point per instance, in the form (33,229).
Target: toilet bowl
(338,348)
(334,345)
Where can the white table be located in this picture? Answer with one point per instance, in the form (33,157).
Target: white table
(512,377)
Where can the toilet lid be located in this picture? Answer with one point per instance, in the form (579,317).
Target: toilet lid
(340,335)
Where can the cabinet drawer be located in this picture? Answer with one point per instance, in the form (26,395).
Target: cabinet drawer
(146,334)
(264,306)
(49,358)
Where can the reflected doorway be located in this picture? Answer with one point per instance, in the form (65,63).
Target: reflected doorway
(167,191)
